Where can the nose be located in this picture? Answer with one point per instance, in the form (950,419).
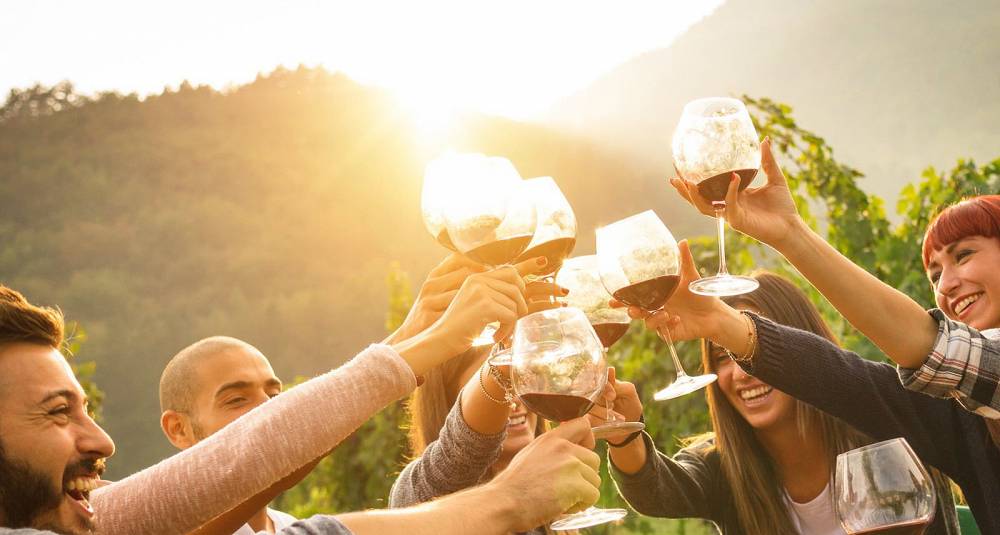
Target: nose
(739,374)
(94,441)
(948,282)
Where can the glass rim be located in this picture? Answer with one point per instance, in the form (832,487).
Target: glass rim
(705,100)
(880,444)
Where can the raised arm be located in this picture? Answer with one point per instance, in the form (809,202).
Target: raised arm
(191,488)
(897,324)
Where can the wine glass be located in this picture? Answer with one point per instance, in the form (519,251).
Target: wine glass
(441,176)
(883,488)
(490,217)
(639,264)
(555,231)
(714,139)
(580,275)
(558,372)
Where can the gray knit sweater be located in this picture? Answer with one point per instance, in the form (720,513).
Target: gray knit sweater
(460,458)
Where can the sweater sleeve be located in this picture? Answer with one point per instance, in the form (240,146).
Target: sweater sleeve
(457,460)
(194,486)
(317,525)
(680,487)
(964,363)
(865,394)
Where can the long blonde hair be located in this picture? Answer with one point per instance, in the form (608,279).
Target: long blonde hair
(756,487)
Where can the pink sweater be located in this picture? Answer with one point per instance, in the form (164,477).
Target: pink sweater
(182,492)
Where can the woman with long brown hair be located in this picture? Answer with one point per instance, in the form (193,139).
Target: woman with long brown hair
(767,467)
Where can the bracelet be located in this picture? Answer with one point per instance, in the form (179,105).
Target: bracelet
(752,344)
(507,398)
(628,440)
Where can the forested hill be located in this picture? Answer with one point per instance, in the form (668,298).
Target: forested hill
(271,212)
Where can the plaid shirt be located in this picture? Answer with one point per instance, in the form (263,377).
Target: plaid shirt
(964,364)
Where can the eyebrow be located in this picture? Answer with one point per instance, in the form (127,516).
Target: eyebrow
(947,250)
(237,385)
(65,393)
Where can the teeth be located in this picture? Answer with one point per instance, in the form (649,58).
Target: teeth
(82,484)
(964,303)
(755,392)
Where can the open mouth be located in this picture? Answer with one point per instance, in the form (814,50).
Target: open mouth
(965,303)
(79,489)
(517,419)
(755,395)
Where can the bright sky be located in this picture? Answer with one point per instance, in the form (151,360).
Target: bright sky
(511,57)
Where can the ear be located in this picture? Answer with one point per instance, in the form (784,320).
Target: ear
(178,429)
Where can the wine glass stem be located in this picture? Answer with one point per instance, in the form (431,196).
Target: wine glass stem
(720,220)
(679,369)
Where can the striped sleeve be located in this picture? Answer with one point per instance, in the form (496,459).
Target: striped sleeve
(964,363)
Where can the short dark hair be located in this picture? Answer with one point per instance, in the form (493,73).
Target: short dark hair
(20,321)
(177,382)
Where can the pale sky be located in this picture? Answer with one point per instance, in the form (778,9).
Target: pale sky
(512,58)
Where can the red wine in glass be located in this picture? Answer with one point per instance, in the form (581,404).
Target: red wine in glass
(714,189)
(555,251)
(556,407)
(498,253)
(609,333)
(649,295)
(910,527)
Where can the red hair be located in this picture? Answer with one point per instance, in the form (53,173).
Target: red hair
(977,216)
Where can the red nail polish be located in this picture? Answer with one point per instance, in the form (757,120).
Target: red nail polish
(542,261)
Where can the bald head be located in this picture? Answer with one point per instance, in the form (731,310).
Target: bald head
(180,380)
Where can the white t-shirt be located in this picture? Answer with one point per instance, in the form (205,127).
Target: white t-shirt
(280,520)
(815,517)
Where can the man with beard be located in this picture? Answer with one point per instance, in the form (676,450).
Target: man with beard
(53,451)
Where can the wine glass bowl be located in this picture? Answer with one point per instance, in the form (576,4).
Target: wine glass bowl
(492,220)
(581,276)
(883,488)
(714,139)
(555,230)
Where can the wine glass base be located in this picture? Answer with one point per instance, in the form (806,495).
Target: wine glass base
(684,385)
(619,427)
(591,516)
(723,285)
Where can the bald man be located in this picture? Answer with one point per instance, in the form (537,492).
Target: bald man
(206,386)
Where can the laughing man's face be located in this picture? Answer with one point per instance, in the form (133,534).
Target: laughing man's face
(52,451)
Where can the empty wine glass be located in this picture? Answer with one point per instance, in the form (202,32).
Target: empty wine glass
(555,231)
(883,488)
(714,139)
(639,264)
(580,275)
(558,372)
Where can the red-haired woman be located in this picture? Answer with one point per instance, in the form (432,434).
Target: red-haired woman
(950,351)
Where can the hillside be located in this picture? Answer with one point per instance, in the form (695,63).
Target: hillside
(271,212)
(893,85)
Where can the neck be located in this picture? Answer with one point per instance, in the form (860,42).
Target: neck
(801,462)
(261,522)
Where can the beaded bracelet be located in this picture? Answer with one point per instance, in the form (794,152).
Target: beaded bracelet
(507,397)
(752,334)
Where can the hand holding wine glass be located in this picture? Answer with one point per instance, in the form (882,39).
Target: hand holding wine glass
(436,293)
(767,213)
(639,266)
(621,401)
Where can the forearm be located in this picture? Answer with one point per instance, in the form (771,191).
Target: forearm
(898,325)
(483,414)
(629,458)
(670,488)
(475,510)
(187,490)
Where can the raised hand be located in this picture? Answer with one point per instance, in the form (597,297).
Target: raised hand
(557,473)
(624,400)
(766,213)
(436,293)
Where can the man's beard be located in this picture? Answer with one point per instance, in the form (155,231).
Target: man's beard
(25,494)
